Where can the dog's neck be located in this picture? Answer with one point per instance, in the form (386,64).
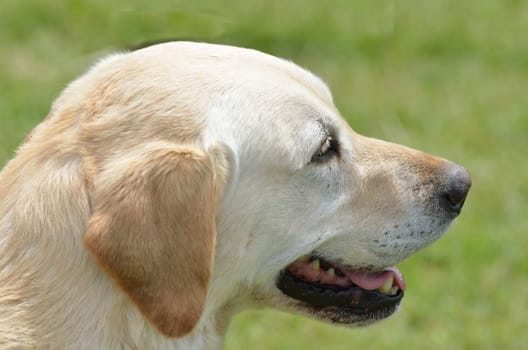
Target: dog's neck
(52,293)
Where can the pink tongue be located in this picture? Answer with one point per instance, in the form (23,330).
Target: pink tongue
(374,280)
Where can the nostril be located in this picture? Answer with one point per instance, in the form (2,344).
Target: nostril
(457,197)
(455,200)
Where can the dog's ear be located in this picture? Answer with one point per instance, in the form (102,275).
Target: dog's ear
(153,230)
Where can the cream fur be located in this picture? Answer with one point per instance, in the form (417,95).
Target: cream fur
(99,182)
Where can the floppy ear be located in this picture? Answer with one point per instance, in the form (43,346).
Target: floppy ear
(153,231)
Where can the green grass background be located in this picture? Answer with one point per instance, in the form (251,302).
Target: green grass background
(447,77)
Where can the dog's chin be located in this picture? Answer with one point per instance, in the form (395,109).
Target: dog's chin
(340,315)
(322,289)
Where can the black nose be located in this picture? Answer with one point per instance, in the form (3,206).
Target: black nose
(456,188)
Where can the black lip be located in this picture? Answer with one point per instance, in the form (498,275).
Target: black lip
(353,299)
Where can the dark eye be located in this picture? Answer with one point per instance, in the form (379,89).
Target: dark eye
(328,150)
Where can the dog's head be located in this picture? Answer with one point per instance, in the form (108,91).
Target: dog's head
(223,176)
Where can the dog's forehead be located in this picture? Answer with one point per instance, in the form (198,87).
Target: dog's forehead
(258,103)
(271,105)
(224,62)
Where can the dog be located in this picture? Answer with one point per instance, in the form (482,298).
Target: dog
(173,186)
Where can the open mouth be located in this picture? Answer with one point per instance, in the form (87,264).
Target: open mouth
(322,283)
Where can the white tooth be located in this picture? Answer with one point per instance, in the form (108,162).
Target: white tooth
(394,290)
(315,264)
(303,258)
(331,272)
(386,288)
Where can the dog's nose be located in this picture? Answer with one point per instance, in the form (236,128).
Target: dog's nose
(457,187)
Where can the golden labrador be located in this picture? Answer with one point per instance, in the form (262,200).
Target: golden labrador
(171,187)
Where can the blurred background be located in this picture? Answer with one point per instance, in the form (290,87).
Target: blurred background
(446,77)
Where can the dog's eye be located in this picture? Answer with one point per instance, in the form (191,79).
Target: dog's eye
(328,149)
